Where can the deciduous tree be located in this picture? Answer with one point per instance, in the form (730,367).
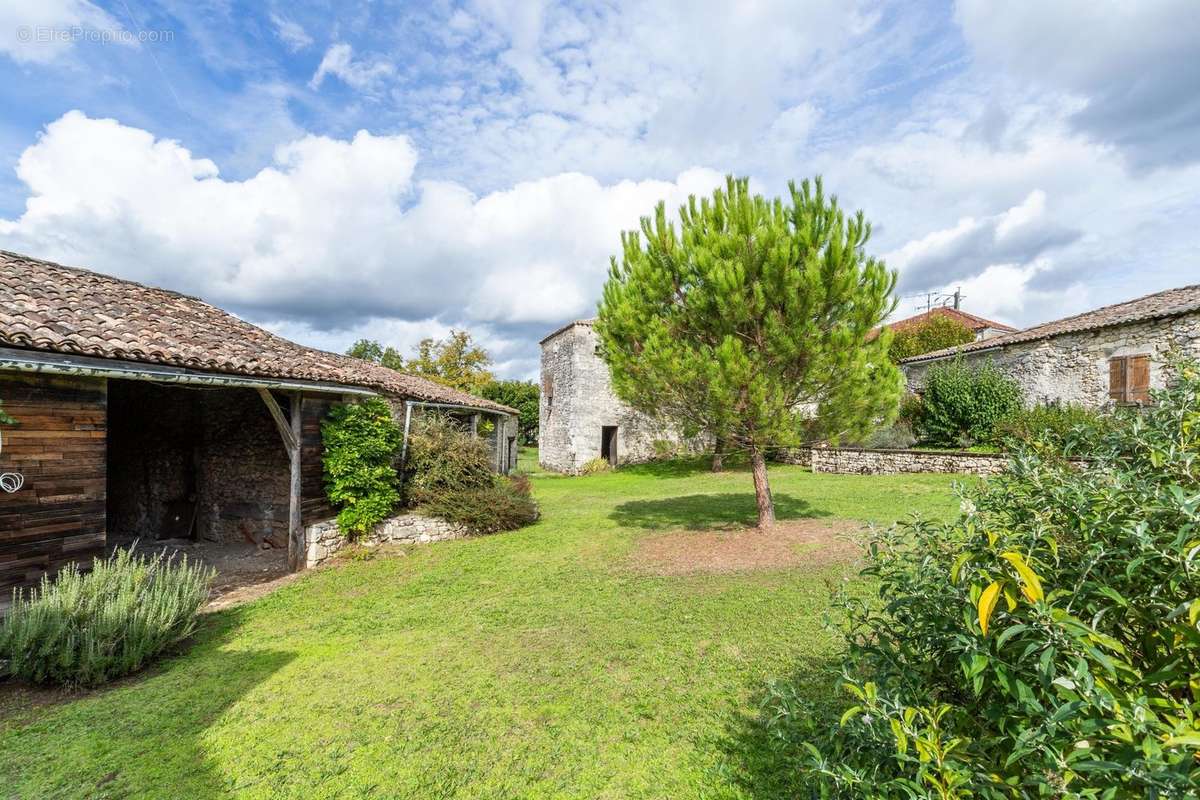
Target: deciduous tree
(750,321)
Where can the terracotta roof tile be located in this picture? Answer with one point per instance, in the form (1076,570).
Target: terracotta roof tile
(46,306)
(1172,302)
(972,321)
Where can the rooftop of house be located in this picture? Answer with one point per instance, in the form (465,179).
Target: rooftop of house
(1169,303)
(975,323)
(53,308)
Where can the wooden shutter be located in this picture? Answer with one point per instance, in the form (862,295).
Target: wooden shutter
(1116,379)
(1137,382)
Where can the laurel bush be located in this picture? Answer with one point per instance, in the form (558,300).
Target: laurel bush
(964,403)
(87,628)
(1046,643)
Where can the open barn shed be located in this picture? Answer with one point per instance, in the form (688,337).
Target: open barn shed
(144,413)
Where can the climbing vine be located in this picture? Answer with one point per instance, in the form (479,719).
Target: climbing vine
(362,443)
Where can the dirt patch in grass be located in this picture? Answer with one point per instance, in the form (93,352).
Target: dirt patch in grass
(794,543)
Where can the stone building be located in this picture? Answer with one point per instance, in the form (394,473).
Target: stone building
(146,413)
(580,418)
(1114,354)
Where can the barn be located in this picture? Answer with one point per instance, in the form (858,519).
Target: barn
(139,412)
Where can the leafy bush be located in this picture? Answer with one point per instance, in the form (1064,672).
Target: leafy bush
(912,409)
(362,443)
(963,403)
(449,475)
(893,437)
(936,333)
(1044,644)
(595,466)
(525,397)
(1071,428)
(83,629)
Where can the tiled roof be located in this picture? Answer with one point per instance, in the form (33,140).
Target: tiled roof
(970,320)
(1170,303)
(567,327)
(46,306)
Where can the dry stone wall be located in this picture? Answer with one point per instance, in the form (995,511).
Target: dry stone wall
(1073,367)
(324,539)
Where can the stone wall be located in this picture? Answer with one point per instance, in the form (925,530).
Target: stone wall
(324,539)
(847,461)
(1073,367)
(577,402)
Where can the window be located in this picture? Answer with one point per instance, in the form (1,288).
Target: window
(1129,379)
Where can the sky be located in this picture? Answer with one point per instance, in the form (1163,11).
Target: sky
(395,170)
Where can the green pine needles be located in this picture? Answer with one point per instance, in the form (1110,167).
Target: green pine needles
(362,444)
(749,321)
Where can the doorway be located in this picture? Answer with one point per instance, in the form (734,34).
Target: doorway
(608,444)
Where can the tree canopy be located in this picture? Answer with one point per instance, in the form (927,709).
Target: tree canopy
(750,321)
(524,396)
(456,361)
(934,333)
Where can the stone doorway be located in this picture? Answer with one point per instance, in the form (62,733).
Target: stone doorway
(608,444)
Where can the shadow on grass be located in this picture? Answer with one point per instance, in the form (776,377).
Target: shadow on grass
(760,750)
(152,725)
(708,511)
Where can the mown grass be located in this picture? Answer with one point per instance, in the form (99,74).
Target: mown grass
(527,664)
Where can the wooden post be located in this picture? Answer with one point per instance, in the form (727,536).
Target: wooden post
(296,555)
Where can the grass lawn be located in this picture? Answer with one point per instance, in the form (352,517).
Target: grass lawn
(537,663)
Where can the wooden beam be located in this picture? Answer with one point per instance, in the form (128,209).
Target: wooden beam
(296,548)
(290,440)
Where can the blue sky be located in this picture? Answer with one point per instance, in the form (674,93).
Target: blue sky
(394,170)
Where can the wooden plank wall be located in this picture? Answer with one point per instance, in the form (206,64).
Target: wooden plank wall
(59,447)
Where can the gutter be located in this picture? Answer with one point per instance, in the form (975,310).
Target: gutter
(84,366)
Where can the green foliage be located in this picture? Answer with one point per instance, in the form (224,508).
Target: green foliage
(362,443)
(1044,644)
(892,437)
(524,396)
(748,311)
(5,419)
(448,474)
(455,361)
(84,629)
(912,409)
(373,351)
(595,466)
(1070,428)
(935,333)
(964,404)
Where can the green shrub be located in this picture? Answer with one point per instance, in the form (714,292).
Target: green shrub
(936,333)
(449,475)
(362,443)
(912,410)
(83,629)
(595,466)
(1070,428)
(893,437)
(963,403)
(1044,644)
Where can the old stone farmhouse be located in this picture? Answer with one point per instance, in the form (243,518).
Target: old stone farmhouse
(580,418)
(141,412)
(1114,354)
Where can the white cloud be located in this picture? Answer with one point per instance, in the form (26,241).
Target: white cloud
(1019,235)
(291,33)
(1135,66)
(339,62)
(39,32)
(333,234)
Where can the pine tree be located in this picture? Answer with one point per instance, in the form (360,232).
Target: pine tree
(751,322)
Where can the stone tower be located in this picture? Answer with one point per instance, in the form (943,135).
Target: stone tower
(580,417)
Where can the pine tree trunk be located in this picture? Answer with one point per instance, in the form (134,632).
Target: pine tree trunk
(718,460)
(762,491)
